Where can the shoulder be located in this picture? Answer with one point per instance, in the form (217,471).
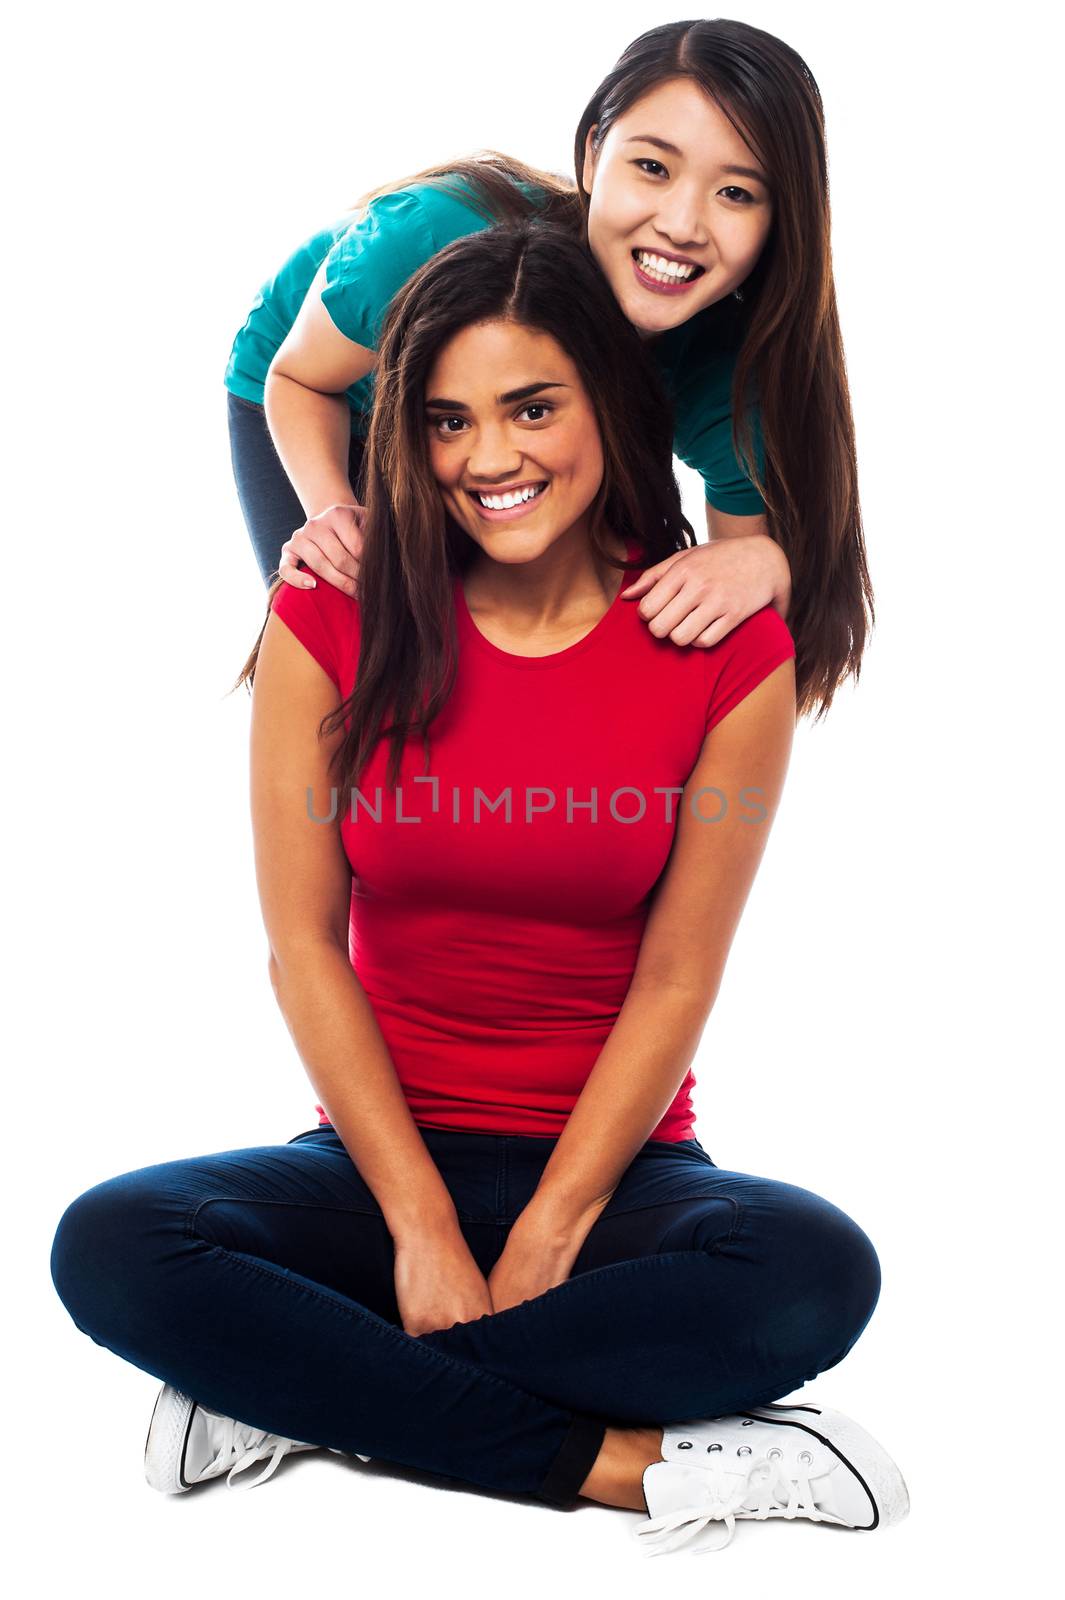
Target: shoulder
(383,247)
(420,209)
(401,213)
(739,662)
(325,602)
(445,210)
(762,630)
(327,623)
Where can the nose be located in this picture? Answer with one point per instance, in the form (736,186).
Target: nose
(492,458)
(681,219)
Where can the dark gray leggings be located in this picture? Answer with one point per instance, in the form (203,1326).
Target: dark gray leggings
(271,507)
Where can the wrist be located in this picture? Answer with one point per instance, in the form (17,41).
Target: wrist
(428,1226)
(556,1219)
(338,497)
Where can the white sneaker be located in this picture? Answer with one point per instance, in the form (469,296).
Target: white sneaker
(187,1444)
(771,1461)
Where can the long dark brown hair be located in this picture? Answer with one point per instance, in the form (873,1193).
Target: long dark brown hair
(790,360)
(537,276)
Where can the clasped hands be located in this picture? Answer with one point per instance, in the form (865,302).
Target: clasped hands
(534,1259)
(438,1283)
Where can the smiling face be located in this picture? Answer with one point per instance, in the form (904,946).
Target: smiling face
(673,187)
(514,442)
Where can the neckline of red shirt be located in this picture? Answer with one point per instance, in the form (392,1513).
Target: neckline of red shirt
(556,657)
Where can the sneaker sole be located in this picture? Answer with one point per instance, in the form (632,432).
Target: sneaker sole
(867,1458)
(168,1433)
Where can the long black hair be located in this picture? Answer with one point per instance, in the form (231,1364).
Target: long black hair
(790,360)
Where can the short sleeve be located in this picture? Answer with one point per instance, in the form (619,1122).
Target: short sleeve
(706,446)
(739,662)
(372,261)
(323,619)
(698,361)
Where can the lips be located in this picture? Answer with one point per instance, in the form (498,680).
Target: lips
(668,255)
(510,488)
(509,513)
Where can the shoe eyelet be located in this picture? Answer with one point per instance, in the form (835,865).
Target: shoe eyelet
(775,1454)
(805,1457)
(748,1422)
(744,1450)
(713,1447)
(685,1444)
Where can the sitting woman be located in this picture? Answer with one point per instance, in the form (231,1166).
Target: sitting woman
(503,839)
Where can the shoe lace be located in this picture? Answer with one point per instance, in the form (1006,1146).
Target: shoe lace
(240,1446)
(726,1495)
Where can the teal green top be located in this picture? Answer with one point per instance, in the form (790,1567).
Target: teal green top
(368,261)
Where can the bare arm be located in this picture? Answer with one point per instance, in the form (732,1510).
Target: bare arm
(307,413)
(304,880)
(685,946)
(727,525)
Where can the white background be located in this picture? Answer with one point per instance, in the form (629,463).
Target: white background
(887,1032)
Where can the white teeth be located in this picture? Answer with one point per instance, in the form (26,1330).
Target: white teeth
(659,267)
(503,502)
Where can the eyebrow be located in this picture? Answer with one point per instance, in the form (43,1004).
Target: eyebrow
(503,399)
(671,149)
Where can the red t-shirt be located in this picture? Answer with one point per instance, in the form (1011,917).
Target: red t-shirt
(496,949)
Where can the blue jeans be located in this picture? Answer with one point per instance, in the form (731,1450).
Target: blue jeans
(271,506)
(260,1281)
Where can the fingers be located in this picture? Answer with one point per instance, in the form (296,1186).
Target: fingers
(329,544)
(703,625)
(682,610)
(287,566)
(324,562)
(712,635)
(650,575)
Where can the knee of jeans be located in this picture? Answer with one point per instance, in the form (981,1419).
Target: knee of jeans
(94,1244)
(74,1246)
(833,1276)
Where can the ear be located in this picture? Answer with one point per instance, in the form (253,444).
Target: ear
(590,161)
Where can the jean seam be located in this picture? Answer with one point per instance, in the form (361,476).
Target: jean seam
(724,1239)
(252,1200)
(501,1179)
(314,1205)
